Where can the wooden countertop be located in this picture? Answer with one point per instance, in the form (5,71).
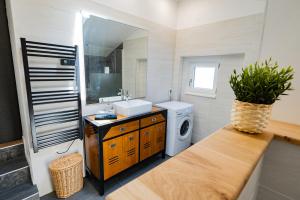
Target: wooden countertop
(216,168)
(285,131)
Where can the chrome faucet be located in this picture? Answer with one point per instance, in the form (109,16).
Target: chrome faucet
(121,93)
(101,101)
(126,95)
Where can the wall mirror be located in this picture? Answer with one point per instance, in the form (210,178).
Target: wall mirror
(115,57)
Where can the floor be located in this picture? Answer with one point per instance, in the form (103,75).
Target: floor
(89,191)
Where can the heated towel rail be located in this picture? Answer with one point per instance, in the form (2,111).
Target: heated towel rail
(53,92)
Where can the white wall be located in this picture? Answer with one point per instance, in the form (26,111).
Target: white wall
(236,36)
(281,42)
(198,12)
(159,11)
(58,21)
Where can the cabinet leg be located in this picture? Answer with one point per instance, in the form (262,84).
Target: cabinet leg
(163,155)
(87,174)
(101,188)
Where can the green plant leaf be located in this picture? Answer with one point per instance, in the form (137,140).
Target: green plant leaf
(261,83)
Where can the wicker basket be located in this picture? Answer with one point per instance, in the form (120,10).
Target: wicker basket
(249,117)
(66,173)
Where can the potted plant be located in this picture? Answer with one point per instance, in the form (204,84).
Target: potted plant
(256,88)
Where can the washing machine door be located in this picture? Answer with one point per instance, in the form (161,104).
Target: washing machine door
(184,128)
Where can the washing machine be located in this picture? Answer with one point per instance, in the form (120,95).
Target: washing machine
(179,126)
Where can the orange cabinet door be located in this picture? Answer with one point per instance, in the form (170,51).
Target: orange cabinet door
(159,137)
(146,142)
(112,157)
(130,149)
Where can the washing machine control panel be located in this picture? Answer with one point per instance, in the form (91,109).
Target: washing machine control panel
(184,112)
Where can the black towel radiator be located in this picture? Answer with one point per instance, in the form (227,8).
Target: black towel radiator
(66,70)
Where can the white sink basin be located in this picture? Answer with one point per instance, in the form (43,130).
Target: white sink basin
(132,107)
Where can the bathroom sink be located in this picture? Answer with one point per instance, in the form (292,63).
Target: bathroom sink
(132,107)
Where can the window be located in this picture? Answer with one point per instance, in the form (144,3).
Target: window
(202,79)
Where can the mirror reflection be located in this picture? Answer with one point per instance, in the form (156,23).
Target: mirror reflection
(115,57)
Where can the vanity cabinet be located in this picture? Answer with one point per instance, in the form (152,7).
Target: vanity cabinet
(112,146)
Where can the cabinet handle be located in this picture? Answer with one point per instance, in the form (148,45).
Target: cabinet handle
(122,129)
(131,138)
(113,146)
(154,119)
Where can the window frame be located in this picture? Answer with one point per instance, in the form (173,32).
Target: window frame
(191,90)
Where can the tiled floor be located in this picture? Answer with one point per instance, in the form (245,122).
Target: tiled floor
(89,192)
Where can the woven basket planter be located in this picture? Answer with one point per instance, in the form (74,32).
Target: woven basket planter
(66,173)
(249,117)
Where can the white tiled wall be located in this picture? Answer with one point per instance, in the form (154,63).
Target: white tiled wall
(235,43)
(213,113)
(281,42)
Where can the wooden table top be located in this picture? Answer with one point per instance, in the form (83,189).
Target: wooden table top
(215,168)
